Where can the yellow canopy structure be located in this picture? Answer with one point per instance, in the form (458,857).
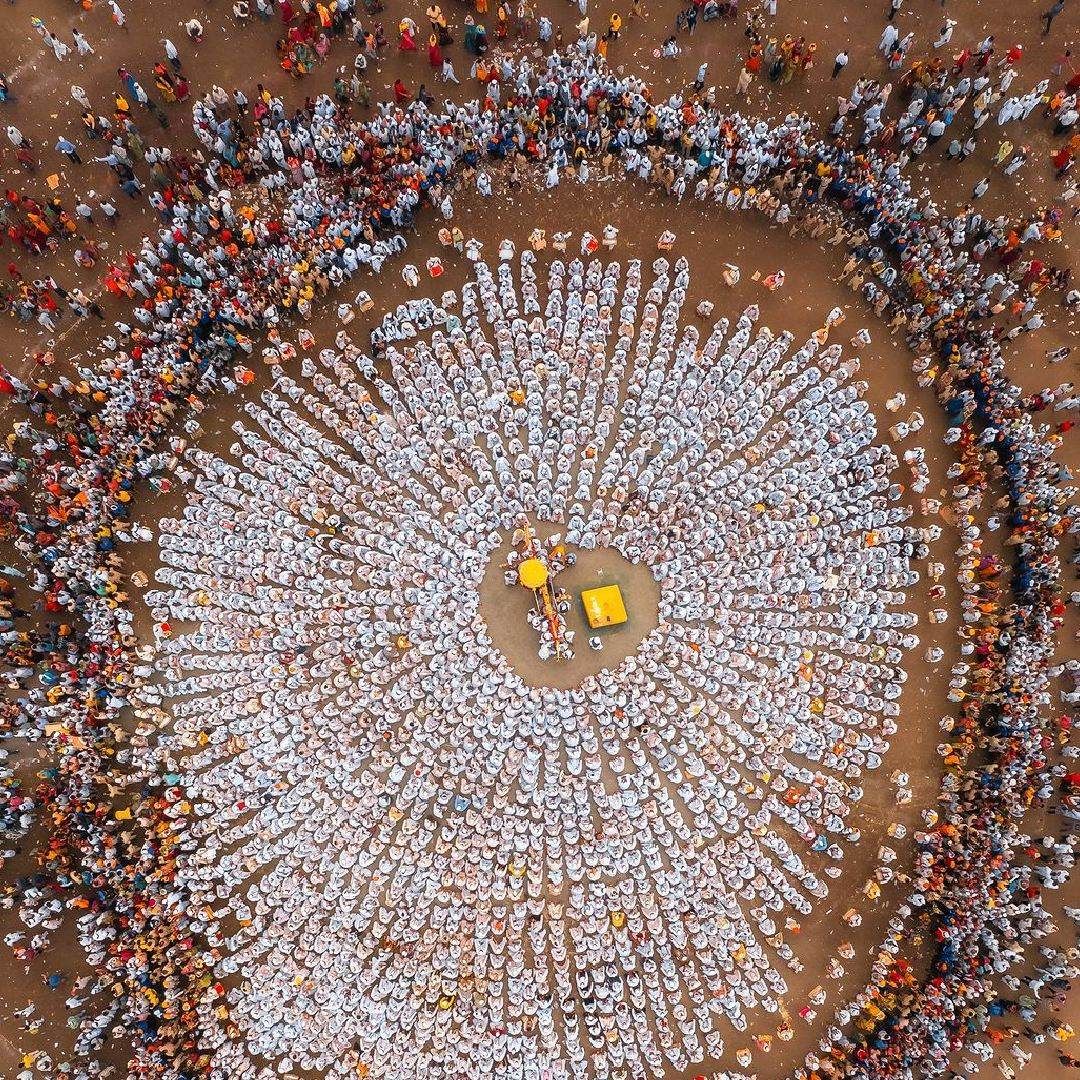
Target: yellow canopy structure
(533,574)
(604,606)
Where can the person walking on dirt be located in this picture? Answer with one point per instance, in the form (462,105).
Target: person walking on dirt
(1055,10)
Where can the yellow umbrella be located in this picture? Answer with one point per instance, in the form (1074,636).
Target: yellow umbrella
(533,574)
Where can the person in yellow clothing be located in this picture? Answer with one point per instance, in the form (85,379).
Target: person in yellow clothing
(614,26)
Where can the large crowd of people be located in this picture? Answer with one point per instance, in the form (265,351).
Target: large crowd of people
(284,207)
(397,548)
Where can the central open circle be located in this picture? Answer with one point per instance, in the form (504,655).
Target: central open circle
(505,609)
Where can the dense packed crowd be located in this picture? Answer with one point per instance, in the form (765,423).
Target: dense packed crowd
(400,552)
(292,205)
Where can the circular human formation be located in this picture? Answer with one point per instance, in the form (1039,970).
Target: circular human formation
(335,198)
(427,865)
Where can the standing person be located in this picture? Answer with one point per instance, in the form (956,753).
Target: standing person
(894,8)
(68,149)
(889,37)
(984,51)
(172,54)
(1018,161)
(945,34)
(58,47)
(840,62)
(1066,119)
(118,16)
(1055,10)
(84,46)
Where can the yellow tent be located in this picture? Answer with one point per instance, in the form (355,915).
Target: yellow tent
(604,606)
(533,574)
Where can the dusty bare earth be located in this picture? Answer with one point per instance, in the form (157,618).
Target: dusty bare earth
(235,55)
